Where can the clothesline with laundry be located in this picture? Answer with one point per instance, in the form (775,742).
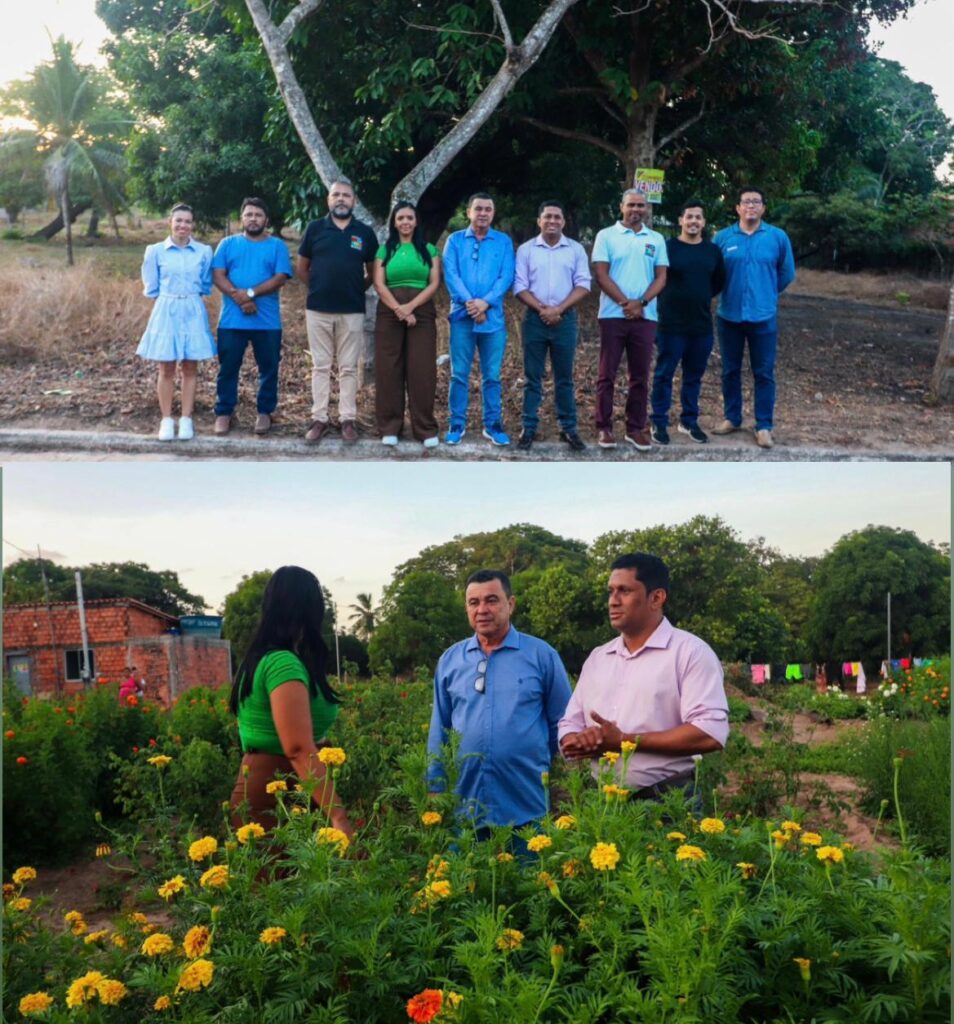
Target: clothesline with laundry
(828,672)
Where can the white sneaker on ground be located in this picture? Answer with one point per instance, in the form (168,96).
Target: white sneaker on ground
(186,429)
(167,428)
(431,442)
(390,440)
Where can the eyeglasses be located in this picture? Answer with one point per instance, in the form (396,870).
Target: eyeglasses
(480,683)
(750,202)
(475,252)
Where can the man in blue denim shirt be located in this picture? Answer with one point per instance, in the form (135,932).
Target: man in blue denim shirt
(759,266)
(504,692)
(478,270)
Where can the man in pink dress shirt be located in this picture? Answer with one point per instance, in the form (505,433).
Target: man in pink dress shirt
(654,685)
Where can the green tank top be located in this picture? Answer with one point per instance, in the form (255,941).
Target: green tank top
(406,269)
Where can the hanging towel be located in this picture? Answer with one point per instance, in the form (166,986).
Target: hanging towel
(884,670)
(793,671)
(862,685)
(758,674)
(768,673)
(905,663)
(846,669)
(856,668)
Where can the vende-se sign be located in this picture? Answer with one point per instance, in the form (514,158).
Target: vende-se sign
(650,181)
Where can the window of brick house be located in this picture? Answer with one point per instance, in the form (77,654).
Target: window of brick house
(74,665)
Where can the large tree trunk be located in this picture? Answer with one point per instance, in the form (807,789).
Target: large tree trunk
(942,380)
(92,229)
(56,225)
(65,207)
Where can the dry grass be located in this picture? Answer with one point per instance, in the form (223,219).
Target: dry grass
(869,287)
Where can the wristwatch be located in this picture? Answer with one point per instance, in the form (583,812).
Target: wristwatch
(250,292)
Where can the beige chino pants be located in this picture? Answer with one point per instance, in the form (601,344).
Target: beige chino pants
(334,337)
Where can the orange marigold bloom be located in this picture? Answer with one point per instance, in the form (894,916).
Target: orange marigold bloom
(425,1006)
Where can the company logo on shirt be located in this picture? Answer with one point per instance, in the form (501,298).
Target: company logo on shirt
(650,249)
(356,242)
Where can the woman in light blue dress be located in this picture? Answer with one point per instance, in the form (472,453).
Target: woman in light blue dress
(177,273)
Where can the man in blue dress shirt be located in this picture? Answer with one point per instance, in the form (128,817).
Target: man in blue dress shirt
(478,271)
(504,693)
(759,266)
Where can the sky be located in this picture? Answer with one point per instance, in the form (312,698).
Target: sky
(914,42)
(353,523)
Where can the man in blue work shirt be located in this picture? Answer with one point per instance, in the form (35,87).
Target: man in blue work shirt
(504,692)
(759,266)
(478,270)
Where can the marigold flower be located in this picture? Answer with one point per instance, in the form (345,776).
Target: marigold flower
(270,936)
(76,921)
(711,826)
(610,757)
(169,889)
(781,838)
(203,848)
(847,847)
(21,903)
(439,890)
(277,786)
(160,760)
(111,992)
(504,858)
(627,746)
(829,854)
(804,967)
(215,878)
(791,826)
(23,760)
(571,868)
(810,839)
(251,831)
(453,999)
(678,836)
(83,989)
(604,856)
(197,941)
(748,870)
(545,878)
(539,843)
(162,1003)
(333,837)
(686,852)
(509,940)
(557,952)
(138,918)
(103,850)
(8,890)
(437,868)
(196,975)
(157,944)
(332,755)
(95,937)
(23,875)
(429,818)
(565,821)
(148,929)
(119,941)
(35,1002)
(425,1006)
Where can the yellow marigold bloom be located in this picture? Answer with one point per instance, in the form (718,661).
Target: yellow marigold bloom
(627,746)
(197,941)
(676,836)
(332,755)
(76,921)
(565,821)
(270,936)
(610,757)
(538,843)
(437,868)
(148,929)
(296,810)
(847,847)
(429,818)
(804,967)
(167,890)
(119,941)
(711,826)
(157,944)
(333,836)
(103,850)
(35,1002)
(453,999)
(111,991)
(571,868)
(162,1003)
(23,875)
(277,786)
(510,940)
(504,858)
(604,856)
(83,989)
(138,918)
(251,831)
(196,975)
(93,937)
(203,848)
(791,826)
(829,854)
(439,890)
(748,870)
(160,760)
(686,852)
(811,839)
(545,878)
(781,838)
(21,903)
(215,877)
(8,890)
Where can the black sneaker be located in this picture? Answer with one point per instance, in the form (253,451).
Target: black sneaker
(660,435)
(526,440)
(698,435)
(573,439)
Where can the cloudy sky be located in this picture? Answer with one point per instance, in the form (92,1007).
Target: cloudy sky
(353,523)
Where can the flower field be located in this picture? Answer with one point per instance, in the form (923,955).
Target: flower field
(620,910)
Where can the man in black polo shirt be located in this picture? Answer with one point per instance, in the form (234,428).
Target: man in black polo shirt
(333,261)
(696,276)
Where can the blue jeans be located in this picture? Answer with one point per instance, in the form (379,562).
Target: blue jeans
(267,348)
(490,350)
(561,342)
(693,352)
(763,342)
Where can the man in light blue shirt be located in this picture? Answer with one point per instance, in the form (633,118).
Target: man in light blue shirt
(503,692)
(249,270)
(759,266)
(478,270)
(629,264)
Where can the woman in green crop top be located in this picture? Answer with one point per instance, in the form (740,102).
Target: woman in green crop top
(407,273)
(283,701)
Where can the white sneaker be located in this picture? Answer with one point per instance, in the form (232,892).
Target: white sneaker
(167,428)
(431,442)
(186,430)
(390,440)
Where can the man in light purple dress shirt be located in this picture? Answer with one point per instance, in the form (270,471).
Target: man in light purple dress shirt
(654,685)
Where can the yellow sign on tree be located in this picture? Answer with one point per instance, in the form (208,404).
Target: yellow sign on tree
(650,181)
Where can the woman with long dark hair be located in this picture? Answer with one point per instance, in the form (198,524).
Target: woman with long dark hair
(284,702)
(407,273)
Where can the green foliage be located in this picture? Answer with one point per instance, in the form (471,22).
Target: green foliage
(836,705)
(922,692)
(739,710)
(21,172)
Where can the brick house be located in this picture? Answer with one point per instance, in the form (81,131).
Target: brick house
(43,648)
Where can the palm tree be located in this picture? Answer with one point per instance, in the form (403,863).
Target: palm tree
(363,617)
(80,128)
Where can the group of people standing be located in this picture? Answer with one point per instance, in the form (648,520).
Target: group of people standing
(654,295)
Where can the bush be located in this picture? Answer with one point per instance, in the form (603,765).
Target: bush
(921,692)
(836,705)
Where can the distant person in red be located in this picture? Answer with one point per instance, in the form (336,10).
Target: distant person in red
(132,687)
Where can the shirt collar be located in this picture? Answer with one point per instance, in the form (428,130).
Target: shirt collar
(659,638)
(512,639)
(169,244)
(469,233)
(623,230)
(539,241)
(738,228)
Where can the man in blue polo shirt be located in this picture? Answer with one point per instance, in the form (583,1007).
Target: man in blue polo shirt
(249,270)
(478,270)
(503,692)
(759,266)
(629,264)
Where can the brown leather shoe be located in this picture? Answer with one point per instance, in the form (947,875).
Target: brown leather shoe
(223,424)
(641,440)
(349,432)
(263,423)
(316,431)
(605,439)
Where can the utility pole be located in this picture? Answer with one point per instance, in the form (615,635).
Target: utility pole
(85,674)
(889,629)
(58,678)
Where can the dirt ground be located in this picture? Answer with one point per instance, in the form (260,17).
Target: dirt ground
(850,374)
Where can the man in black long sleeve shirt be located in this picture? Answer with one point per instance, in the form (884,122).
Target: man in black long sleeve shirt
(696,276)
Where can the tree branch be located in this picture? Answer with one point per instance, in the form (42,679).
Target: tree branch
(566,133)
(295,17)
(680,129)
(501,19)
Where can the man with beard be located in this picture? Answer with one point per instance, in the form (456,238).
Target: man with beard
(333,262)
(249,270)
